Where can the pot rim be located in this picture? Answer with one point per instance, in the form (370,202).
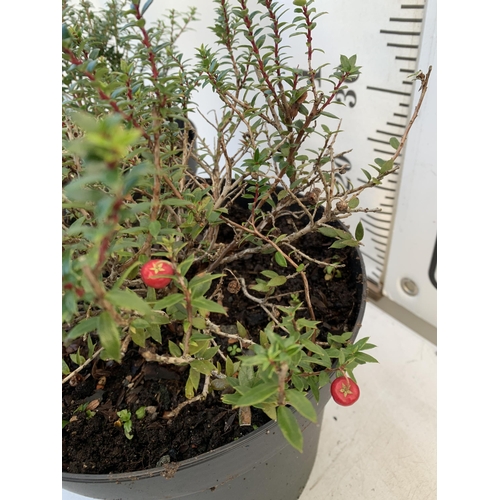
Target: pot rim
(242,442)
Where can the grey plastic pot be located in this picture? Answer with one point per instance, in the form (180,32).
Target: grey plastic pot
(261,465)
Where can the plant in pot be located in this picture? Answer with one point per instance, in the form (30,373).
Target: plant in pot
(212,295)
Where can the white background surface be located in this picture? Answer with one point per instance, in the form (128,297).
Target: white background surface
(384,446)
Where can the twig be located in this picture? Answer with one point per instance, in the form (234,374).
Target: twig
(171,414)
(216,329)
(82,366)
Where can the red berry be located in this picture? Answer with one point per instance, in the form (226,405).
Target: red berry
(345,391)
(154,272)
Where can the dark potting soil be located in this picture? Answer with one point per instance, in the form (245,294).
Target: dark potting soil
(92,441)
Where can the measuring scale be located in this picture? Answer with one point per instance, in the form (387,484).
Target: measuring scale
(392,40)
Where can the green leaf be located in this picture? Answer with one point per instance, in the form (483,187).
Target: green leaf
(208,305)
(169,301)
(202,366)
(277,281)
(175,202)
(138,336)
(258,394)
(360,232)
(85,326)
(192,383)
(242,331)
(127,299)
(155,228)
(300,402)
(386,166)
(353,202)
(65,368)
(174,349)
(140,413)
(366,358)
(323,379)
(330,232)
(146,7)
(269,274)
(184,266)
(280,259)
(394,142)
(109,336)
(229,367)
(154,331)
(289,427)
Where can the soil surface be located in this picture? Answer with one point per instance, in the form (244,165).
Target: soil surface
(93,443)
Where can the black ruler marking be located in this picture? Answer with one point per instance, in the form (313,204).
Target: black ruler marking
(404,33)
(389,133)
(390,91)
(405,20)
(375,226)
(412,6)
(371,216)
(395,124)
(373,258)
(404,58)
(403,45)
(390,153)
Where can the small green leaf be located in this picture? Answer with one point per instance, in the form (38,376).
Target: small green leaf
(386,166)
(300,402)
(138,336)
(229,367)
(277,281)
(146,7)
(192,383)
(65,368)
(109,336)
(330,232)
(269,274)
(155,228)
(127,299)
(394,142)
(368,175)
(208,305)
(289,427)
(140,413)
(242,331)
(280,259)
(258,394)
(174,349)
(85,326)
(169,301)
(360,232)
(154,331)
(353,202)
(365,358)
(203,366)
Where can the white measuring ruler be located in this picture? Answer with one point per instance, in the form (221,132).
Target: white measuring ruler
(392,39)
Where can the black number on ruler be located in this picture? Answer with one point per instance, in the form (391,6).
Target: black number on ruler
(341,162)
(349,97)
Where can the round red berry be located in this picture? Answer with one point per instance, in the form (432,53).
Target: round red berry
(154,273)
(344,391)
